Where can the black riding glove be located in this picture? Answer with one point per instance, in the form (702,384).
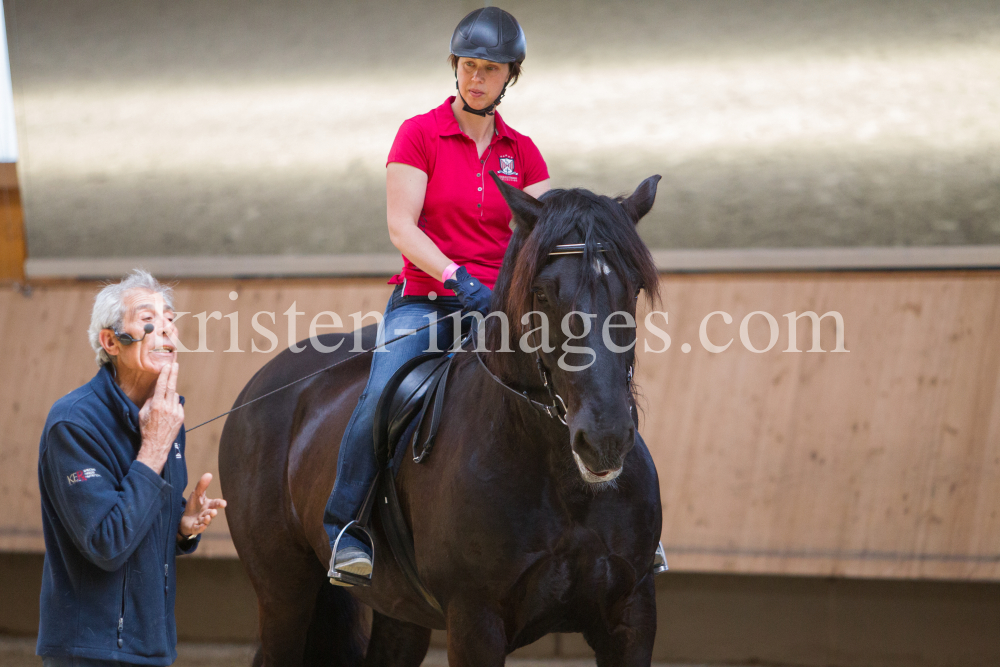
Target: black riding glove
(473,294)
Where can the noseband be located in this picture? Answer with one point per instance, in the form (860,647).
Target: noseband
(555,410)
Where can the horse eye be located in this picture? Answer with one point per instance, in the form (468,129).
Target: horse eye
(540,295)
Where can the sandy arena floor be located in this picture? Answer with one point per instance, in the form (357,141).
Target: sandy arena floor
(21,653)
(187,127)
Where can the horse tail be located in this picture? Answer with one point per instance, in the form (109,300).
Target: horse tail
(337,636)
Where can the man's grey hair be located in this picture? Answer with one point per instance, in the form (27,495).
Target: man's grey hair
(109,307)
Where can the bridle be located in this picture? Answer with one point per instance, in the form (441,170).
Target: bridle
(556,409)
(551,410)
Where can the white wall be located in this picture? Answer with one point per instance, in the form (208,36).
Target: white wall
(8,130)
(255,128)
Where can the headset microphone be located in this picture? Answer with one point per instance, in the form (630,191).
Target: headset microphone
(127,339)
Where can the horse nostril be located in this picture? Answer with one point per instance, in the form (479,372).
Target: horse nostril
(628,442)
(581,445)
(587,450)
(603,450)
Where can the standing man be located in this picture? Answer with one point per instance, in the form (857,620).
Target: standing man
(112,474)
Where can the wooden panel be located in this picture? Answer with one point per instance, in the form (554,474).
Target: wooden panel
(13,248)
(883,461)
(47,355)
(356,265)
(8,175)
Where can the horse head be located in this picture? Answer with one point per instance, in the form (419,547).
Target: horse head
(573,311)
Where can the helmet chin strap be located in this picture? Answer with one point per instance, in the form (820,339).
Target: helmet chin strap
(488,111)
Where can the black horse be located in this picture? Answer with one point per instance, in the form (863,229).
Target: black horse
(522,524)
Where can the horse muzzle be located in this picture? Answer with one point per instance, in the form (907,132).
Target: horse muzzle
(594,477)
(600,453)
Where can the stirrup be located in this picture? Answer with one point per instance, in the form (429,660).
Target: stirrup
(659,560)
(349,577)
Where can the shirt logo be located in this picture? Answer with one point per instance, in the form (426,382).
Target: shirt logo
(81,476)
(507,167)
(177,446)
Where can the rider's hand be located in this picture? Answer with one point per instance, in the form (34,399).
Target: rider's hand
(160,419)
(473,294)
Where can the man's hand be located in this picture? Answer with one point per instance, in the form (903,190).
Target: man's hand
(160,419)
(199,511)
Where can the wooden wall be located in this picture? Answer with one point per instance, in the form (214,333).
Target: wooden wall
(13,249)
(883,461)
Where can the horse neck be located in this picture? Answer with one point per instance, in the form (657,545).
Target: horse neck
(526,431)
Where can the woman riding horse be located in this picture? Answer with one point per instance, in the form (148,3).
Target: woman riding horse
(451,224)
(528,518)
(539,510)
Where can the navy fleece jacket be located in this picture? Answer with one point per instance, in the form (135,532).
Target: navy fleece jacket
(110,526)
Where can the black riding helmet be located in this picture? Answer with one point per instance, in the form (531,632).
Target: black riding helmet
(488,34)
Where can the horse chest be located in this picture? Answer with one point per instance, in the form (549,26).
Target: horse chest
(569,556)
(560,592)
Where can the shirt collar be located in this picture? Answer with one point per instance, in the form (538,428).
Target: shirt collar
(500,127)
(117,400)
(448,126)
(111,395)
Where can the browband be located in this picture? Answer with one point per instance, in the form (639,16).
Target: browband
(573,249)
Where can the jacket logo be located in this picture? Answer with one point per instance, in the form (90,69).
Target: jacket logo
(81,476)
(177,446)
(506,166)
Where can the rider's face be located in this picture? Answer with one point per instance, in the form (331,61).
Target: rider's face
(480,81)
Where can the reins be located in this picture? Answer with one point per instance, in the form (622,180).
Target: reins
(314,373)
(551,410)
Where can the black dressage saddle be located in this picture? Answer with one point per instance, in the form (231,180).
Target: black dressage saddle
(414,393)
(413,397)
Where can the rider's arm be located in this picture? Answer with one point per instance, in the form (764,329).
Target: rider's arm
(534,171)
(536,190)
(405,187)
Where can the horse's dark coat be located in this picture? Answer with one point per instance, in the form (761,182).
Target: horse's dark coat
(509,538)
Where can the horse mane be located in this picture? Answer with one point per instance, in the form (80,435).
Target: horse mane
(569,216)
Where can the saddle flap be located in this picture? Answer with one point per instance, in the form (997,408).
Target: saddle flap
(402,400)
(399,413)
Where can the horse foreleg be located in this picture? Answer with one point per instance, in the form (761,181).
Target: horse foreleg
(284,624)
(626,639)
(396,643)
(476,636)
(286,583)
(284,617)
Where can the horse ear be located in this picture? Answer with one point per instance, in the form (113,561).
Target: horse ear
(525,208)
(641,200)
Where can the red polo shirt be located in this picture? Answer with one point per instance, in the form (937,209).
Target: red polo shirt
(463,213)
